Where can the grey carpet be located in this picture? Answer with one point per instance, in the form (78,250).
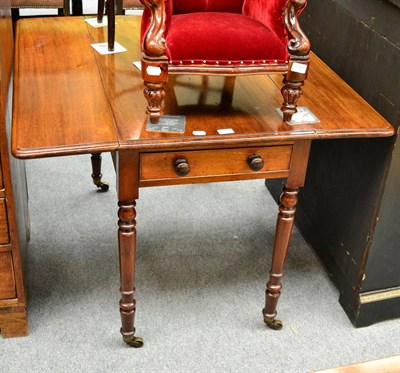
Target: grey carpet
(203,258)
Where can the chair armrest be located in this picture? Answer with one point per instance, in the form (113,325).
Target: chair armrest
(298,44)
(155,25)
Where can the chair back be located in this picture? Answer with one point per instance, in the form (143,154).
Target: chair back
(192,6)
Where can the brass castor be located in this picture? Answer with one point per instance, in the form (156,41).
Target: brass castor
(101,184)
(273,323)
(135,342)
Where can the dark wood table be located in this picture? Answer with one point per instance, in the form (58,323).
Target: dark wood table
(70,100)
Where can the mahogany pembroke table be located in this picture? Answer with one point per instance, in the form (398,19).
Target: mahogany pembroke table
(68,99)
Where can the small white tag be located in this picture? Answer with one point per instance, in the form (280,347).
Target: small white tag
(138,65)
(153,70)
(199,133)
(102,48)
(300,68)
(93,22)
(226,131)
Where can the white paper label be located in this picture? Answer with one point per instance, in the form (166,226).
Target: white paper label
(299,68)
(138,65)
(199,133)
(226,131)
(102,48)
(153,70)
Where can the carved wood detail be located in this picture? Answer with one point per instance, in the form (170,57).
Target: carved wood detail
(299,49)
(154,94)
(154,41)
(291,92)
(155,56)
(298,44)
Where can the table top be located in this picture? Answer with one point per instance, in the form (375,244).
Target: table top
(69,99)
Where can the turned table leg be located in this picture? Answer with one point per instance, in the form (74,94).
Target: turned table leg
(284,226)
(127,258)
(127,176)
(96,172)
(283,232)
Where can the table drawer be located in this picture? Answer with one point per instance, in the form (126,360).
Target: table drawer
(7,281)
(220,165)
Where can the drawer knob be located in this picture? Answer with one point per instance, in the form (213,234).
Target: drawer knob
(255,162)
(182,167)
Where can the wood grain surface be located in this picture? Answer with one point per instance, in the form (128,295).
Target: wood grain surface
(7,288)
(75,100)
(59,102)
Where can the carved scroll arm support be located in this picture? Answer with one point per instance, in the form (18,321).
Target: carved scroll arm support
(298,45)
(154,39)
(154,58)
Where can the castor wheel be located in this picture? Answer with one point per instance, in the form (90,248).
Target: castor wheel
(100,184)
(135,342)
(103,186)
(273,323)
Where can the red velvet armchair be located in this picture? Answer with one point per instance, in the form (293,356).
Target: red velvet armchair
(223,37)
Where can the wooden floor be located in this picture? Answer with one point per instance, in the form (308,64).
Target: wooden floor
(387,365)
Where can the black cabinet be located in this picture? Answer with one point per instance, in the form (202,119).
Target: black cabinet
(349,211)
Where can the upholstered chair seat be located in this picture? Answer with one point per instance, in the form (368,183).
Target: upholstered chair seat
(226,37)
(252,43)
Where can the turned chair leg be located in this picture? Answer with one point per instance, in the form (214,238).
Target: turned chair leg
(291,92)
(293,81)
(155,75)
(283,232)
(127,255)
(96,172)
(154,94)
